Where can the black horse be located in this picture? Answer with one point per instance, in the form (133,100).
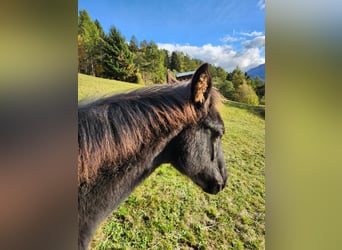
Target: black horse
(124,138)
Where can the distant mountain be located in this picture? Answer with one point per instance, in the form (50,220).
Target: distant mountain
(257,71)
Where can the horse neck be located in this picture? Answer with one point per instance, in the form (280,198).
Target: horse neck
(147,160)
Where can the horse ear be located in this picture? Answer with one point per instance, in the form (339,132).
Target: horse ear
(200,85)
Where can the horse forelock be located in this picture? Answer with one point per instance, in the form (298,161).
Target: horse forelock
(113,129)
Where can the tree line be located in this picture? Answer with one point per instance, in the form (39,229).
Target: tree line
(111,56)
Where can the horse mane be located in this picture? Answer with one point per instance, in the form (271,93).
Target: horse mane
(115,128)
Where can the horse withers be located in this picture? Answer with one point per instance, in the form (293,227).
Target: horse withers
(124,138)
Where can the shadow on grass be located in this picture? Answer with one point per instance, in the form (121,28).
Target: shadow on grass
(257,110)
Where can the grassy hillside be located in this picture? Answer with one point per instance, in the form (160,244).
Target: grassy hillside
(89,86)
(169,212)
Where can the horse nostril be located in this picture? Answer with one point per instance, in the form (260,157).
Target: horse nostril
(222,184)
(225,182)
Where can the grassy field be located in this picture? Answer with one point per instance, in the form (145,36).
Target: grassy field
(169,212)
(90,87)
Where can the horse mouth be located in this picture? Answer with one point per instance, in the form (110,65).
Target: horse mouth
(214,189)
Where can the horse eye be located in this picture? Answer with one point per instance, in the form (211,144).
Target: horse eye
(214,148)
(215,135)
(212,151)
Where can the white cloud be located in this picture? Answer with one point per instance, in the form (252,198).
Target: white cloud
(229,38)
(254,33)
(224,55)
(255,43)
(249,58)
(261,4)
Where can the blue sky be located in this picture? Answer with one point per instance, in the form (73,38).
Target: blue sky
(226,33)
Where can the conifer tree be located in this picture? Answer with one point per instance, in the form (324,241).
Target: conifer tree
(82,59)
(118,60)
(133,44)
(166,58)
(90,37)
(99,51)
(237,77)
(259,87)
(175,62)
